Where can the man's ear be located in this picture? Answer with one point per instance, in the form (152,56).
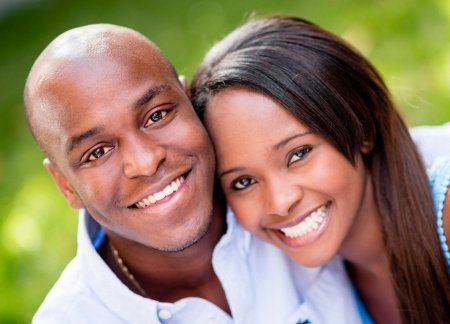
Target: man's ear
(63,184)
(182,80)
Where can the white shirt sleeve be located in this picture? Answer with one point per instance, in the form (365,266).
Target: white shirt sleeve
(432,141)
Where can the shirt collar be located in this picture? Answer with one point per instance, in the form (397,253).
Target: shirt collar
(235,234)
(129,306)
(118,297)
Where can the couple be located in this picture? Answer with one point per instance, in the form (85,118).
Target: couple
(311,157)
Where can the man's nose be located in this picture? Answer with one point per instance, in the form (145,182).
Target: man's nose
(281,197)
(142,156)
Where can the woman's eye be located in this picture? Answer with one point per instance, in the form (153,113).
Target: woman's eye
(156,117)
(299,154)
(98,153)
(242,183)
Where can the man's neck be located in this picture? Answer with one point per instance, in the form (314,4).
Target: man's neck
(170,276)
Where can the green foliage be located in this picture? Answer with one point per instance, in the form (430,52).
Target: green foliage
(407,40)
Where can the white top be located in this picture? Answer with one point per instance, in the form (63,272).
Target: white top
(261,284)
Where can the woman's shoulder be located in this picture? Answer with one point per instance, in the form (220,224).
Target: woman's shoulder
(439,175)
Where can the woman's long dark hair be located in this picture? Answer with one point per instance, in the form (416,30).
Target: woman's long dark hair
(337,93)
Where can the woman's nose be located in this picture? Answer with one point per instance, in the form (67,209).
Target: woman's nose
(281,197)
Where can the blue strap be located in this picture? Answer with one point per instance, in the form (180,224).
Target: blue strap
(99,238)
(363,314)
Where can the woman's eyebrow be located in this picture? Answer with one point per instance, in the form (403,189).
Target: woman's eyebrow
(283,142)
(237,169)
(275,148)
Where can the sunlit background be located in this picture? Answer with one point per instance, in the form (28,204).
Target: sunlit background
(408,40)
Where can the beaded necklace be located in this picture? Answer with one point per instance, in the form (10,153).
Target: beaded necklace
(125,270)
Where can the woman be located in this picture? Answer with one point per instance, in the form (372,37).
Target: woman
(314,158)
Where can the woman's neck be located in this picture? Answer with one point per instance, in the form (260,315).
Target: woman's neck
(368,264)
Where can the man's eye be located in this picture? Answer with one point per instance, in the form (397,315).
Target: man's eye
(242,183)
(299,154)
(156,117)
(98,153)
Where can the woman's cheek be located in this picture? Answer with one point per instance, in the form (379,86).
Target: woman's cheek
(246,213)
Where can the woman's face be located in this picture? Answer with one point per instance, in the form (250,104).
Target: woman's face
(285,184)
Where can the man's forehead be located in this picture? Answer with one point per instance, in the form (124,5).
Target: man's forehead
(94,43)
(102,52)
(97,82)
(87,59)
(94,39)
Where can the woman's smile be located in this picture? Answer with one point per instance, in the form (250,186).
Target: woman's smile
(307,229)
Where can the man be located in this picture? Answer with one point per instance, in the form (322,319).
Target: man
(154,244)
(124,145)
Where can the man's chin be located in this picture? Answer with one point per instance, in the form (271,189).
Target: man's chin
(201,232)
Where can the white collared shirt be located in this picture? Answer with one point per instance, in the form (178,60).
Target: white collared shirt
(261,285)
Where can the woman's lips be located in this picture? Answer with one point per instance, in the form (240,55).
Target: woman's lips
(307,225)
(308,230)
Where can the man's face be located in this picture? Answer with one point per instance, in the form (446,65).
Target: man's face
(129,148)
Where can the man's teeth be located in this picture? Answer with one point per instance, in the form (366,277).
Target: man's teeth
(168,190)
(309,224)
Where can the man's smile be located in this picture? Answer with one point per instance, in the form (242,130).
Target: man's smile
(160,195)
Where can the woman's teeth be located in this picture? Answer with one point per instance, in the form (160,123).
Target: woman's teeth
(309,224)
(168,190)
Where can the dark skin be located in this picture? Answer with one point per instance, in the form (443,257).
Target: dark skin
(119,130)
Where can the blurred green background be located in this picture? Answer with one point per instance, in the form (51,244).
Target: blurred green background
(408,40)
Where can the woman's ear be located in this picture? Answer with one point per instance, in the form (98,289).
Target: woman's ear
(63,184)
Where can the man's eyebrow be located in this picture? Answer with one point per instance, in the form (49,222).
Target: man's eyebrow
(277,146)
(76,140)
(151,93)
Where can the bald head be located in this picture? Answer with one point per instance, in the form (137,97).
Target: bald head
(74,64)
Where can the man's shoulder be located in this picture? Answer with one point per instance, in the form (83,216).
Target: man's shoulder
(68,299)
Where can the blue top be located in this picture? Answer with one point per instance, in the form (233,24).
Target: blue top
(365,317)
(439,176)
